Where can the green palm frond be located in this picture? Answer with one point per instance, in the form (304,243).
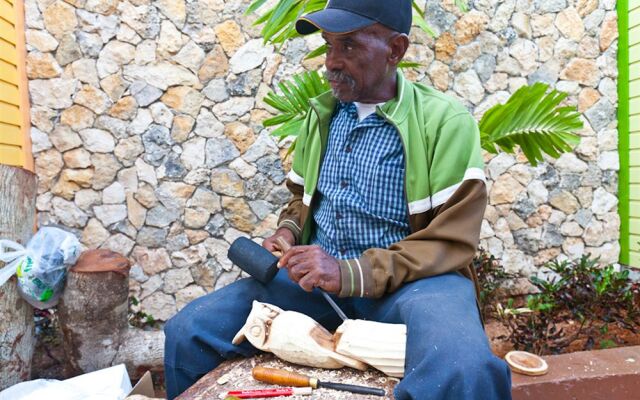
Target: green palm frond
(462,5)
(317,52)
(409,64)
(422,24)
(279,21)
(533,120)
(293,102)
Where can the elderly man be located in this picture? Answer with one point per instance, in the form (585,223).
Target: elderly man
(388,197)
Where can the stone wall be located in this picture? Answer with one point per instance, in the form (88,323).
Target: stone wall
(147,128)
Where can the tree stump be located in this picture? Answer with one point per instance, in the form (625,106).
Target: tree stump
(93,314)
(236,374)
(17,222)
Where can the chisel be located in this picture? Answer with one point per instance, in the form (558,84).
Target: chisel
(284,247)
(287,378)
(262,393)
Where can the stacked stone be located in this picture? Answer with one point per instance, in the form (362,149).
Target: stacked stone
(147,135)
(562,208)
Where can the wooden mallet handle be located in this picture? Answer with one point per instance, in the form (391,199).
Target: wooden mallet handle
(284,247)
(283,244)
(282,377)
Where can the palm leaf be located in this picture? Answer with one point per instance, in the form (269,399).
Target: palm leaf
(422,24)
(317,52)
(417,9)
(533,120)
(279,20)
(409,64)
(462,5)
(293,102)
(254,6)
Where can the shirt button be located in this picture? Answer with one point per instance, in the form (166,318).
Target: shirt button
(343,250)
(338,215)
(347,149)
(343,184)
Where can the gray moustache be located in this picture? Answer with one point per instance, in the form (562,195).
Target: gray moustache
(339,76)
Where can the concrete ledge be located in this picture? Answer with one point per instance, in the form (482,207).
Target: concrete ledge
(612,374)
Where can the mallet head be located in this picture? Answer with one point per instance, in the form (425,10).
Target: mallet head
(253,259)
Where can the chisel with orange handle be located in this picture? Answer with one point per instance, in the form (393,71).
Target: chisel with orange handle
(287,378)
(262,393)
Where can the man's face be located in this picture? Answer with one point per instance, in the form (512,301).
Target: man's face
(358,64)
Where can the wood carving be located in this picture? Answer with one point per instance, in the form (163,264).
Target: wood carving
(378,344)
(293,337)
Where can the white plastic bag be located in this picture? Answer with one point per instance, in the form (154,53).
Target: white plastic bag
(106,384)
(42,266)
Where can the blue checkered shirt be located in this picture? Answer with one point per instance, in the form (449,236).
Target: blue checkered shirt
(361,197)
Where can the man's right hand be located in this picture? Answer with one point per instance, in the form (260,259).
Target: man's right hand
(270,242)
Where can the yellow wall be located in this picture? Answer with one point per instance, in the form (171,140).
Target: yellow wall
(15,144)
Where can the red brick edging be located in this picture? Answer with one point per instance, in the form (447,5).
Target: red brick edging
(612,374)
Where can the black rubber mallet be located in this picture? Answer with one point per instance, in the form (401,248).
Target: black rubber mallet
(258,262)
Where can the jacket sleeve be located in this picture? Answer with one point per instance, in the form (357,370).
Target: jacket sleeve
(448,233)
(292,217)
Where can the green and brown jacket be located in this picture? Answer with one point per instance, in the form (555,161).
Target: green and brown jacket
(444,184)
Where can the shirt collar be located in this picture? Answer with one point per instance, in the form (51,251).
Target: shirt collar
(351,110)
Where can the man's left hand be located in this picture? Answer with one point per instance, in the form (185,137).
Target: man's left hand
(310,267)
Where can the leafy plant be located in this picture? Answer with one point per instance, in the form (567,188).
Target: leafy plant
(293,103)
(532,328)
(139,318)
(607,344)
(534,120)
(592,296)
(531,119)
(279,21)
(492,278)
(462,5)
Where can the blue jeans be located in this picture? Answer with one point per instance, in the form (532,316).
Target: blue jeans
(448,355)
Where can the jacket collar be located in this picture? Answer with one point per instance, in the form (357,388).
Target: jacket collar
(397,109)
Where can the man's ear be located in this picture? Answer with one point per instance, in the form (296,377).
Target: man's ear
(398,45)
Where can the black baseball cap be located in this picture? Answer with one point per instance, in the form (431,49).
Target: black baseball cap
(344,16)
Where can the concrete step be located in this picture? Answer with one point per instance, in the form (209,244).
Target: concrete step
(612,374)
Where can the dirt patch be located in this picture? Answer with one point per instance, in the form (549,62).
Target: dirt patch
(614,336)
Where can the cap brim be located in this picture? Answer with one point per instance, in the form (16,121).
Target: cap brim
(332,20)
